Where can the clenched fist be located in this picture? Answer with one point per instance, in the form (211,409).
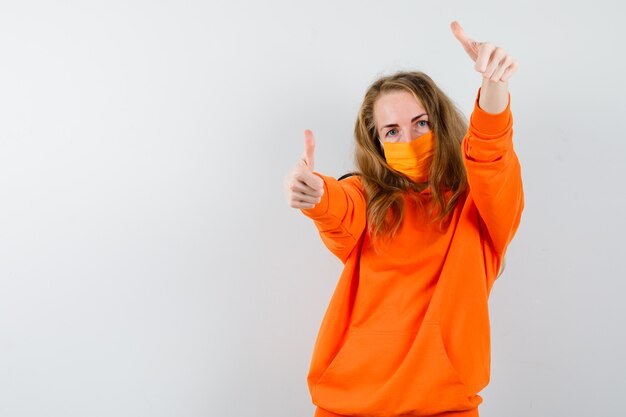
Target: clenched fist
(303,188)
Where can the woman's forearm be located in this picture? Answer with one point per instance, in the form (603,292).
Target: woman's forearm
(494,96)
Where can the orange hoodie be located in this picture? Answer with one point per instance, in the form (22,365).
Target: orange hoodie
(406,331)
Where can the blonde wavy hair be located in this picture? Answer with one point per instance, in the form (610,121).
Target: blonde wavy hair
(384,187)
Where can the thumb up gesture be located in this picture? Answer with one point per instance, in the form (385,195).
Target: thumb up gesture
(303,188)
(493,62)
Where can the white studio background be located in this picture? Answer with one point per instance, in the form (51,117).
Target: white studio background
(149,263)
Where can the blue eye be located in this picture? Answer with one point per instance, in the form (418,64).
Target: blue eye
(392,132)
(422,123)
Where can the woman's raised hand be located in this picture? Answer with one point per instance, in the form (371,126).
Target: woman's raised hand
(493,62)
(303,188)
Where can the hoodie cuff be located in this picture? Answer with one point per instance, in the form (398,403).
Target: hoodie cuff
(489,125)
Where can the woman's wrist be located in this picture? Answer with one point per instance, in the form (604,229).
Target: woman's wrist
(494,96)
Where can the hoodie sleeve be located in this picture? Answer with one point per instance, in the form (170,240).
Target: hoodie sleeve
(494,174)
(340,215)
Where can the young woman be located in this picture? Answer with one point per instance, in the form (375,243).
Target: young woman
(422,229)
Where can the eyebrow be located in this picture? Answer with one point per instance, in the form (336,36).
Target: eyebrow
(412,120)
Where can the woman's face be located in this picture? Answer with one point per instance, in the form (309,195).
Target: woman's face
(399,117)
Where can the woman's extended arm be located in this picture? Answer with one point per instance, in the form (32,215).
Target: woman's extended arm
(336,207)
(494,173)
(493,170)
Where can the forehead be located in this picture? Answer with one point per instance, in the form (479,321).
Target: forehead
(396,107)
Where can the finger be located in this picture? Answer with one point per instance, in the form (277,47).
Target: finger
(299,199)
(309,148)
(292,183)
(302,162)
(310,179)
(297,184)
(469,45)
(295,181)
(301,205)
(484,53)
(509,71)
(496,59)
(301,187)
(295,202)
(504,65)
(305,198)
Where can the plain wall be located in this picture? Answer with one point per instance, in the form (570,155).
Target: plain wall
(149,262)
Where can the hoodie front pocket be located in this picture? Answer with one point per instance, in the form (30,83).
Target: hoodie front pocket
(389,373)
